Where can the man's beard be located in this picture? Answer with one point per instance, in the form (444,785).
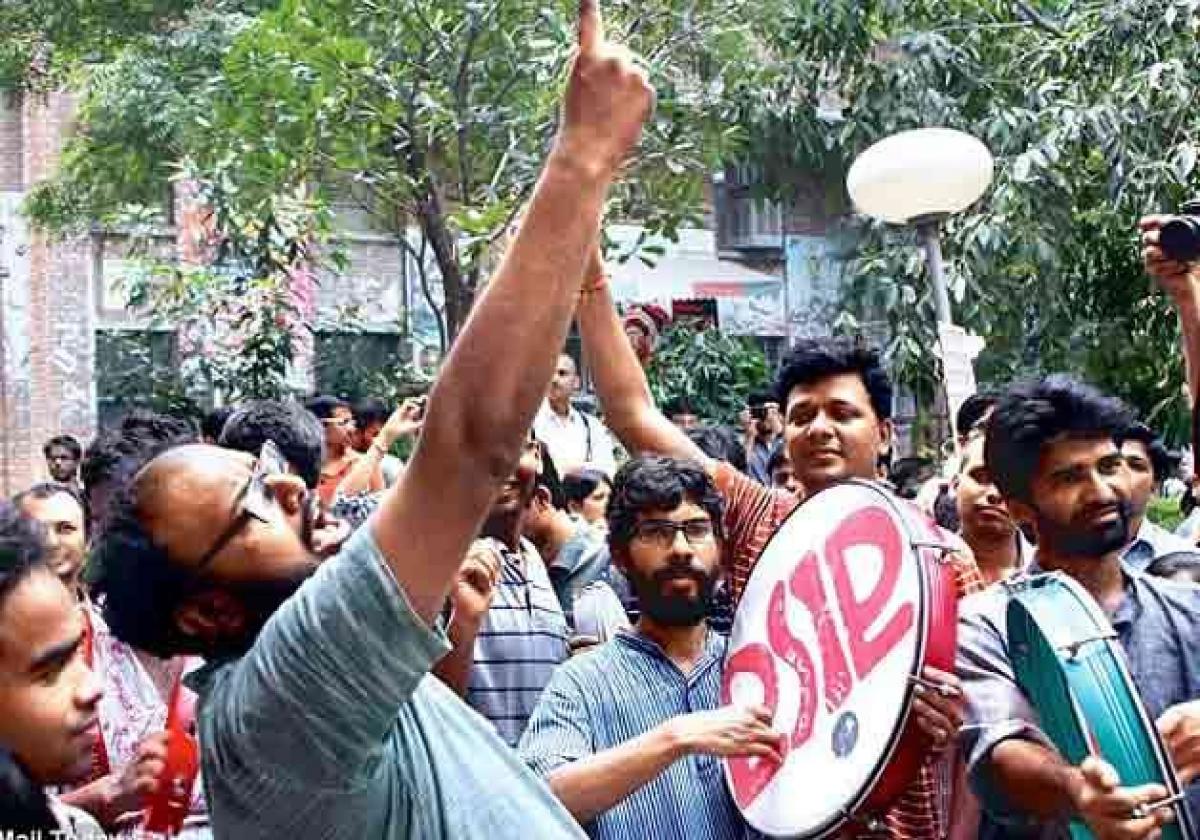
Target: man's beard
(673,610)
(1075,540)
(260,600)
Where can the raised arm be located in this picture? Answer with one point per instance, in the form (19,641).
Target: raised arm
(629,409)
(1181,282)
(496,375)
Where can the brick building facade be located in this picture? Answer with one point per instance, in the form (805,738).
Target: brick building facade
(58,295)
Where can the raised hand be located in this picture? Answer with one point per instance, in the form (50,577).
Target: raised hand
(607,101)
(730,732)
(476,582)
(404,421)
(1176,278)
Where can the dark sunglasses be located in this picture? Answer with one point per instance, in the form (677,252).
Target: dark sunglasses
(253,502)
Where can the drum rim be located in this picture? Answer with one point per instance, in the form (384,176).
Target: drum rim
(845,815)
(1169,775)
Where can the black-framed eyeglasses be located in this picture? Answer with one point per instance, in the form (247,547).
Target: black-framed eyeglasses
(253,501)
(661,532)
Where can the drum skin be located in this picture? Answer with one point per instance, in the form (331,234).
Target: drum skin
(1069,665)
(896,617)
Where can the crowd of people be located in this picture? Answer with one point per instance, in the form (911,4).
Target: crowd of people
(521,631)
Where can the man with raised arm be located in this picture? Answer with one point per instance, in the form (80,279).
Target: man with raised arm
(318,715)
(836,402)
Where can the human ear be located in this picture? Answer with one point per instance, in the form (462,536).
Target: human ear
(886,432)
(209,616)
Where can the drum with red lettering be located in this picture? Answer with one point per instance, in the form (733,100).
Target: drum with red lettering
(851,598)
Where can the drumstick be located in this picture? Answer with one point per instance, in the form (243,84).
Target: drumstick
(1140,812)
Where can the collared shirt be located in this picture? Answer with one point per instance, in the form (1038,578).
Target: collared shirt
(1151,543)
(752,515)
(581,561)
(331,727)
(575,441)
(1158,625)
(758,459)
(620,691)
(522,639)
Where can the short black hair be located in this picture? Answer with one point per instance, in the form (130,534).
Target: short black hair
(813,359)
(1036,412)
(67,442)
(117,453)
(1161,459)
(577,485)
(370,411)
(654,482)
(296,432)
(678,405)
(721,443)
(142,587)
(973,409)
(550,479)
(213,422)
(22,549)
(761,398)
(323,406)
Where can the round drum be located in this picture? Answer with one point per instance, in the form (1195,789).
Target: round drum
(1070,666)
(847,603)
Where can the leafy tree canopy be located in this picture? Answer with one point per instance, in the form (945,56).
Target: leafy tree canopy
(1088,107)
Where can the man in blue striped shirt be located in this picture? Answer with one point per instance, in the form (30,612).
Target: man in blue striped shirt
(630,735)
(520,640)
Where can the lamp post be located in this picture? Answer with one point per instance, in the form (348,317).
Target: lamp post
(919,178)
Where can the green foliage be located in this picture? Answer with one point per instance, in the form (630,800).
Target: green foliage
(1164,512)
(138,369)
(1089,109)
(715,372)
(240,313)
(433,116)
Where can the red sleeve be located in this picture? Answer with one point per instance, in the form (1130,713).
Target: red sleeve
(752,515)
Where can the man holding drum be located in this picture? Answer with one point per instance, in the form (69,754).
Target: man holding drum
(836,403)
(1053,449)
(629,735)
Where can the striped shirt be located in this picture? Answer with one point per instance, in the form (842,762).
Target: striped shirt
(752,515)
(522,640)
(620,691)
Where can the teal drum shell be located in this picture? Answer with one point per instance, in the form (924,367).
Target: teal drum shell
(1070,666)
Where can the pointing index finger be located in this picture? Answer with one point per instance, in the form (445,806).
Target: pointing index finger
(591,27)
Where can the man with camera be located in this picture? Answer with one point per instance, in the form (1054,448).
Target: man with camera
(1171,253)
(763,430)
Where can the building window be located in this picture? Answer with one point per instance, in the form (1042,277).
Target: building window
(356,365)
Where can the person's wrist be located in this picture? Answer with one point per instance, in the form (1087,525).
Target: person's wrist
(675,739)
(580,162)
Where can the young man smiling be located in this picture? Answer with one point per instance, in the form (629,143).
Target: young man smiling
(836,401)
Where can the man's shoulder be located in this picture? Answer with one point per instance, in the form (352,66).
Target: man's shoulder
(1178,596)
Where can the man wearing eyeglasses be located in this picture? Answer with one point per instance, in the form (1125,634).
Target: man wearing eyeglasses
(630,735)
(318,715)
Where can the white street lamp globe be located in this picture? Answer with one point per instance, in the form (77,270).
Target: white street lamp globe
(929,172)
